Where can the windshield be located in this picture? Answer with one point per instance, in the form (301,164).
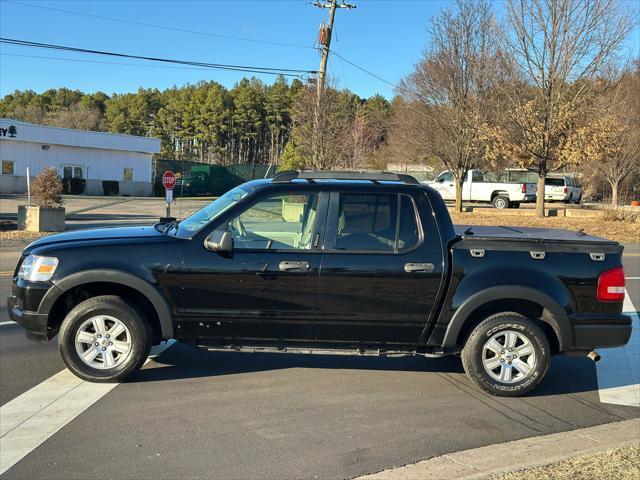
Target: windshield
(195,222)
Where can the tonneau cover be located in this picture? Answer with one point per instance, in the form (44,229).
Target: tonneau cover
(529,234)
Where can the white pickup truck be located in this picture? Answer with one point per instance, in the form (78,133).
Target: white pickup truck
(477,188)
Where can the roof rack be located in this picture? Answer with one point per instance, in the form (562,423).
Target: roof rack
(375,177)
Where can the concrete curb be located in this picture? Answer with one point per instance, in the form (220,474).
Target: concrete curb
(531,452)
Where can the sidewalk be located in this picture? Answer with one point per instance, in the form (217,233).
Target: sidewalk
(477,463)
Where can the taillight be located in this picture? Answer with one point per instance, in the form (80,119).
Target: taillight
(524,188)
(611,285)
(566,190)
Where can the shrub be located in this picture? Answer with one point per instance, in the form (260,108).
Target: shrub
(73,186)
(619,215)
(110,187)
(46,189)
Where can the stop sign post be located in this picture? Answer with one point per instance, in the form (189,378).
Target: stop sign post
(169,181)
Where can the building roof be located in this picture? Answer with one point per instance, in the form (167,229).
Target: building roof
(46,135)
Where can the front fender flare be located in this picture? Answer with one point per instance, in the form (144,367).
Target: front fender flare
(118,277)
(558,320)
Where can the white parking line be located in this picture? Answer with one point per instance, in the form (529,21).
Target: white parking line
(619,369)
(632,278)
(30,419)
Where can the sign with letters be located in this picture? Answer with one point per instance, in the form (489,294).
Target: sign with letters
(11,131)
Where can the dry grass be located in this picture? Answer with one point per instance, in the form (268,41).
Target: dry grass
(21,235)
(618,463)
(603,226)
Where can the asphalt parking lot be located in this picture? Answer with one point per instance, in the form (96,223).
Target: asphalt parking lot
(197,414)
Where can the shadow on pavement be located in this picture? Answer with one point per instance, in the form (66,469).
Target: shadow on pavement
(566,374)
(182,361)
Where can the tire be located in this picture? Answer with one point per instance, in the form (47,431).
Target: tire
(126,348)
(500,202)
(515,205)
(579,200)
(475,355)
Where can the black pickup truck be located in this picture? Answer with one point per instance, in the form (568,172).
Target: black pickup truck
(325,262)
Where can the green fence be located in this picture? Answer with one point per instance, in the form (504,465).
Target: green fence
(204,179)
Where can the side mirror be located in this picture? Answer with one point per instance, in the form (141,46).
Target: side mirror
(219,241)
(441,180)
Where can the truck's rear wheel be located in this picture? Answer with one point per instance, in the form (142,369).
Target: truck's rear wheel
(506,355)
(500,201)
(104,339)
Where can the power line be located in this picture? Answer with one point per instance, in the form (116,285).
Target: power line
(378,77)
(372,74)
(219,66)
(81,60)
(153,25)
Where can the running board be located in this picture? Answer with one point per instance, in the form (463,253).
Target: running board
(317,351)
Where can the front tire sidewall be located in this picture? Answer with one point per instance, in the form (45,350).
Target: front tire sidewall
(501,202)
(138,329)
(473,360)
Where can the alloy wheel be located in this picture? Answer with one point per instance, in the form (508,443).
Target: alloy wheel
(103,342)
(508,357)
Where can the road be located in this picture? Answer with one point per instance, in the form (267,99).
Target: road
(197,414)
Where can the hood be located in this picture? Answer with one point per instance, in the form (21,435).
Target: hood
(116,233)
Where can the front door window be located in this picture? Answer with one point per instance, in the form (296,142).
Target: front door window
(282,222)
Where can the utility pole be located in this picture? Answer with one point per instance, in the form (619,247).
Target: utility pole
(326,31)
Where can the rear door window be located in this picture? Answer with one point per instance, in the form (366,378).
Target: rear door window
(376,222)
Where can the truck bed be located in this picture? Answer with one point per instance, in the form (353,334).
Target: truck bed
(549,237)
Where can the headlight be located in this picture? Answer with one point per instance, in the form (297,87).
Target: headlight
(37,269)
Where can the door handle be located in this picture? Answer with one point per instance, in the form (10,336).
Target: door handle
(419,267)
(289,266)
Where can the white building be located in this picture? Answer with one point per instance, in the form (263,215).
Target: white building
(92,156)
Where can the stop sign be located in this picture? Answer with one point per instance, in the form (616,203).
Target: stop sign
(169,180)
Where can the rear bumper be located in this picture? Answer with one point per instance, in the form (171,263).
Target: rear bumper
(557,197)
(591,332)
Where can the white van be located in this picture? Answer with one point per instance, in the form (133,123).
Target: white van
(562,188)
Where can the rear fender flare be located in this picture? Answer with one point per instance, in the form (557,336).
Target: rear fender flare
(118,277)
(558,320)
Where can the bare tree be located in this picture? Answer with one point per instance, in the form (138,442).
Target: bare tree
(450,85)
(609,144)
(323,147)
(366,133)
(558,47)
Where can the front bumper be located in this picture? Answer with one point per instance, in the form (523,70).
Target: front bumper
(591,331)
(23,306)
(34,323)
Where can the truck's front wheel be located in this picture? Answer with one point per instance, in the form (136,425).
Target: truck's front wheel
(104,339)
(506,354)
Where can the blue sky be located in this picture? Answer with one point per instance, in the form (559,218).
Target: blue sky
(386,37)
